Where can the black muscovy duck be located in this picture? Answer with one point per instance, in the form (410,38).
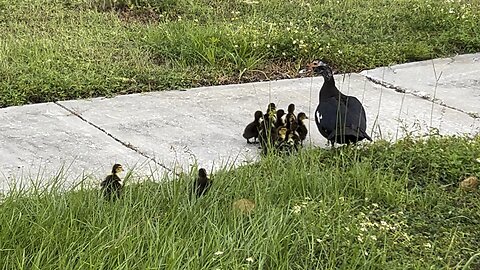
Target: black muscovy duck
(339,118)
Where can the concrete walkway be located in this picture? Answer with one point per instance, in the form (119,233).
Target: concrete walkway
(163,131)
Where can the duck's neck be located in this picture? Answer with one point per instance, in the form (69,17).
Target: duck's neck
(328,88)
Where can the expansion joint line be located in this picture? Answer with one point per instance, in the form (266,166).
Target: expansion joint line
(128,145)
(405,91)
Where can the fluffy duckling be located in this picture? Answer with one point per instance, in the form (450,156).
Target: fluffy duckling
(252,129)
(267,126)
(279,121)
(280,137)
(293,138)
(290,115)
(301,127)
(269,117)
(111,187)
(202,183)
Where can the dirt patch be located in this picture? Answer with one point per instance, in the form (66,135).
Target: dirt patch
(143,15)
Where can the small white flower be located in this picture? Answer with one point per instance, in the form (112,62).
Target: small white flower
(297,209)
(360,239)
(218,253)
(478,160)
(427,245)
(373,237)
(375,205)
(318,240)
(366,253)
(249,259)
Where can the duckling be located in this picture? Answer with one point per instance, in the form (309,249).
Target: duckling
(202,183)
(279,137)
(111,187)
(292,137)
(252,129)
(290,115)
(279,121)
(266,128)
(301,127)
(269,117)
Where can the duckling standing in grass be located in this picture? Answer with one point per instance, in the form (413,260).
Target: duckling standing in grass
(290,115)
(252,129)
(111,187)
(301,127)
(202,183)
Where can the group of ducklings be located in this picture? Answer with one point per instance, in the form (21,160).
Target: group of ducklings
(274,130)
(277,130)
(112,188)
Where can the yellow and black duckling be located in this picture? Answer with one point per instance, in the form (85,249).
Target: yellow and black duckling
(290,115)
(252,129)
(111,187)
(292,137)
(301,127)
(280,137)
(202,183)
(269,117)
(279,122)
(267,126)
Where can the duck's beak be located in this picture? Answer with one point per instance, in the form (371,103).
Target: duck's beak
(303,71)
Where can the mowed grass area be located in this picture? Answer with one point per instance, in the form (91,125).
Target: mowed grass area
(381,206)
(57,50)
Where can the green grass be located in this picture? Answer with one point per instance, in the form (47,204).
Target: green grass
(57,50)
(381,206)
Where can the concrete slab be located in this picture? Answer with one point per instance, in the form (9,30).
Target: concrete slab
(458,78)
(205,125)
(37,141)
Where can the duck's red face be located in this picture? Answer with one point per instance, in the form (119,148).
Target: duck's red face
(315,67)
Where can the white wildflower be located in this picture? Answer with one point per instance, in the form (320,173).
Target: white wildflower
(297,209)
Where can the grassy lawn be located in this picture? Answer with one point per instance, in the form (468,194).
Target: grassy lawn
(381,206)
(57,50)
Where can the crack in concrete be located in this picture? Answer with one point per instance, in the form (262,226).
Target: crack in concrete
(426,97)
(128,145)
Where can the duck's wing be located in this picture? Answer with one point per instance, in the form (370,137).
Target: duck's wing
(328,114)
(356,116)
